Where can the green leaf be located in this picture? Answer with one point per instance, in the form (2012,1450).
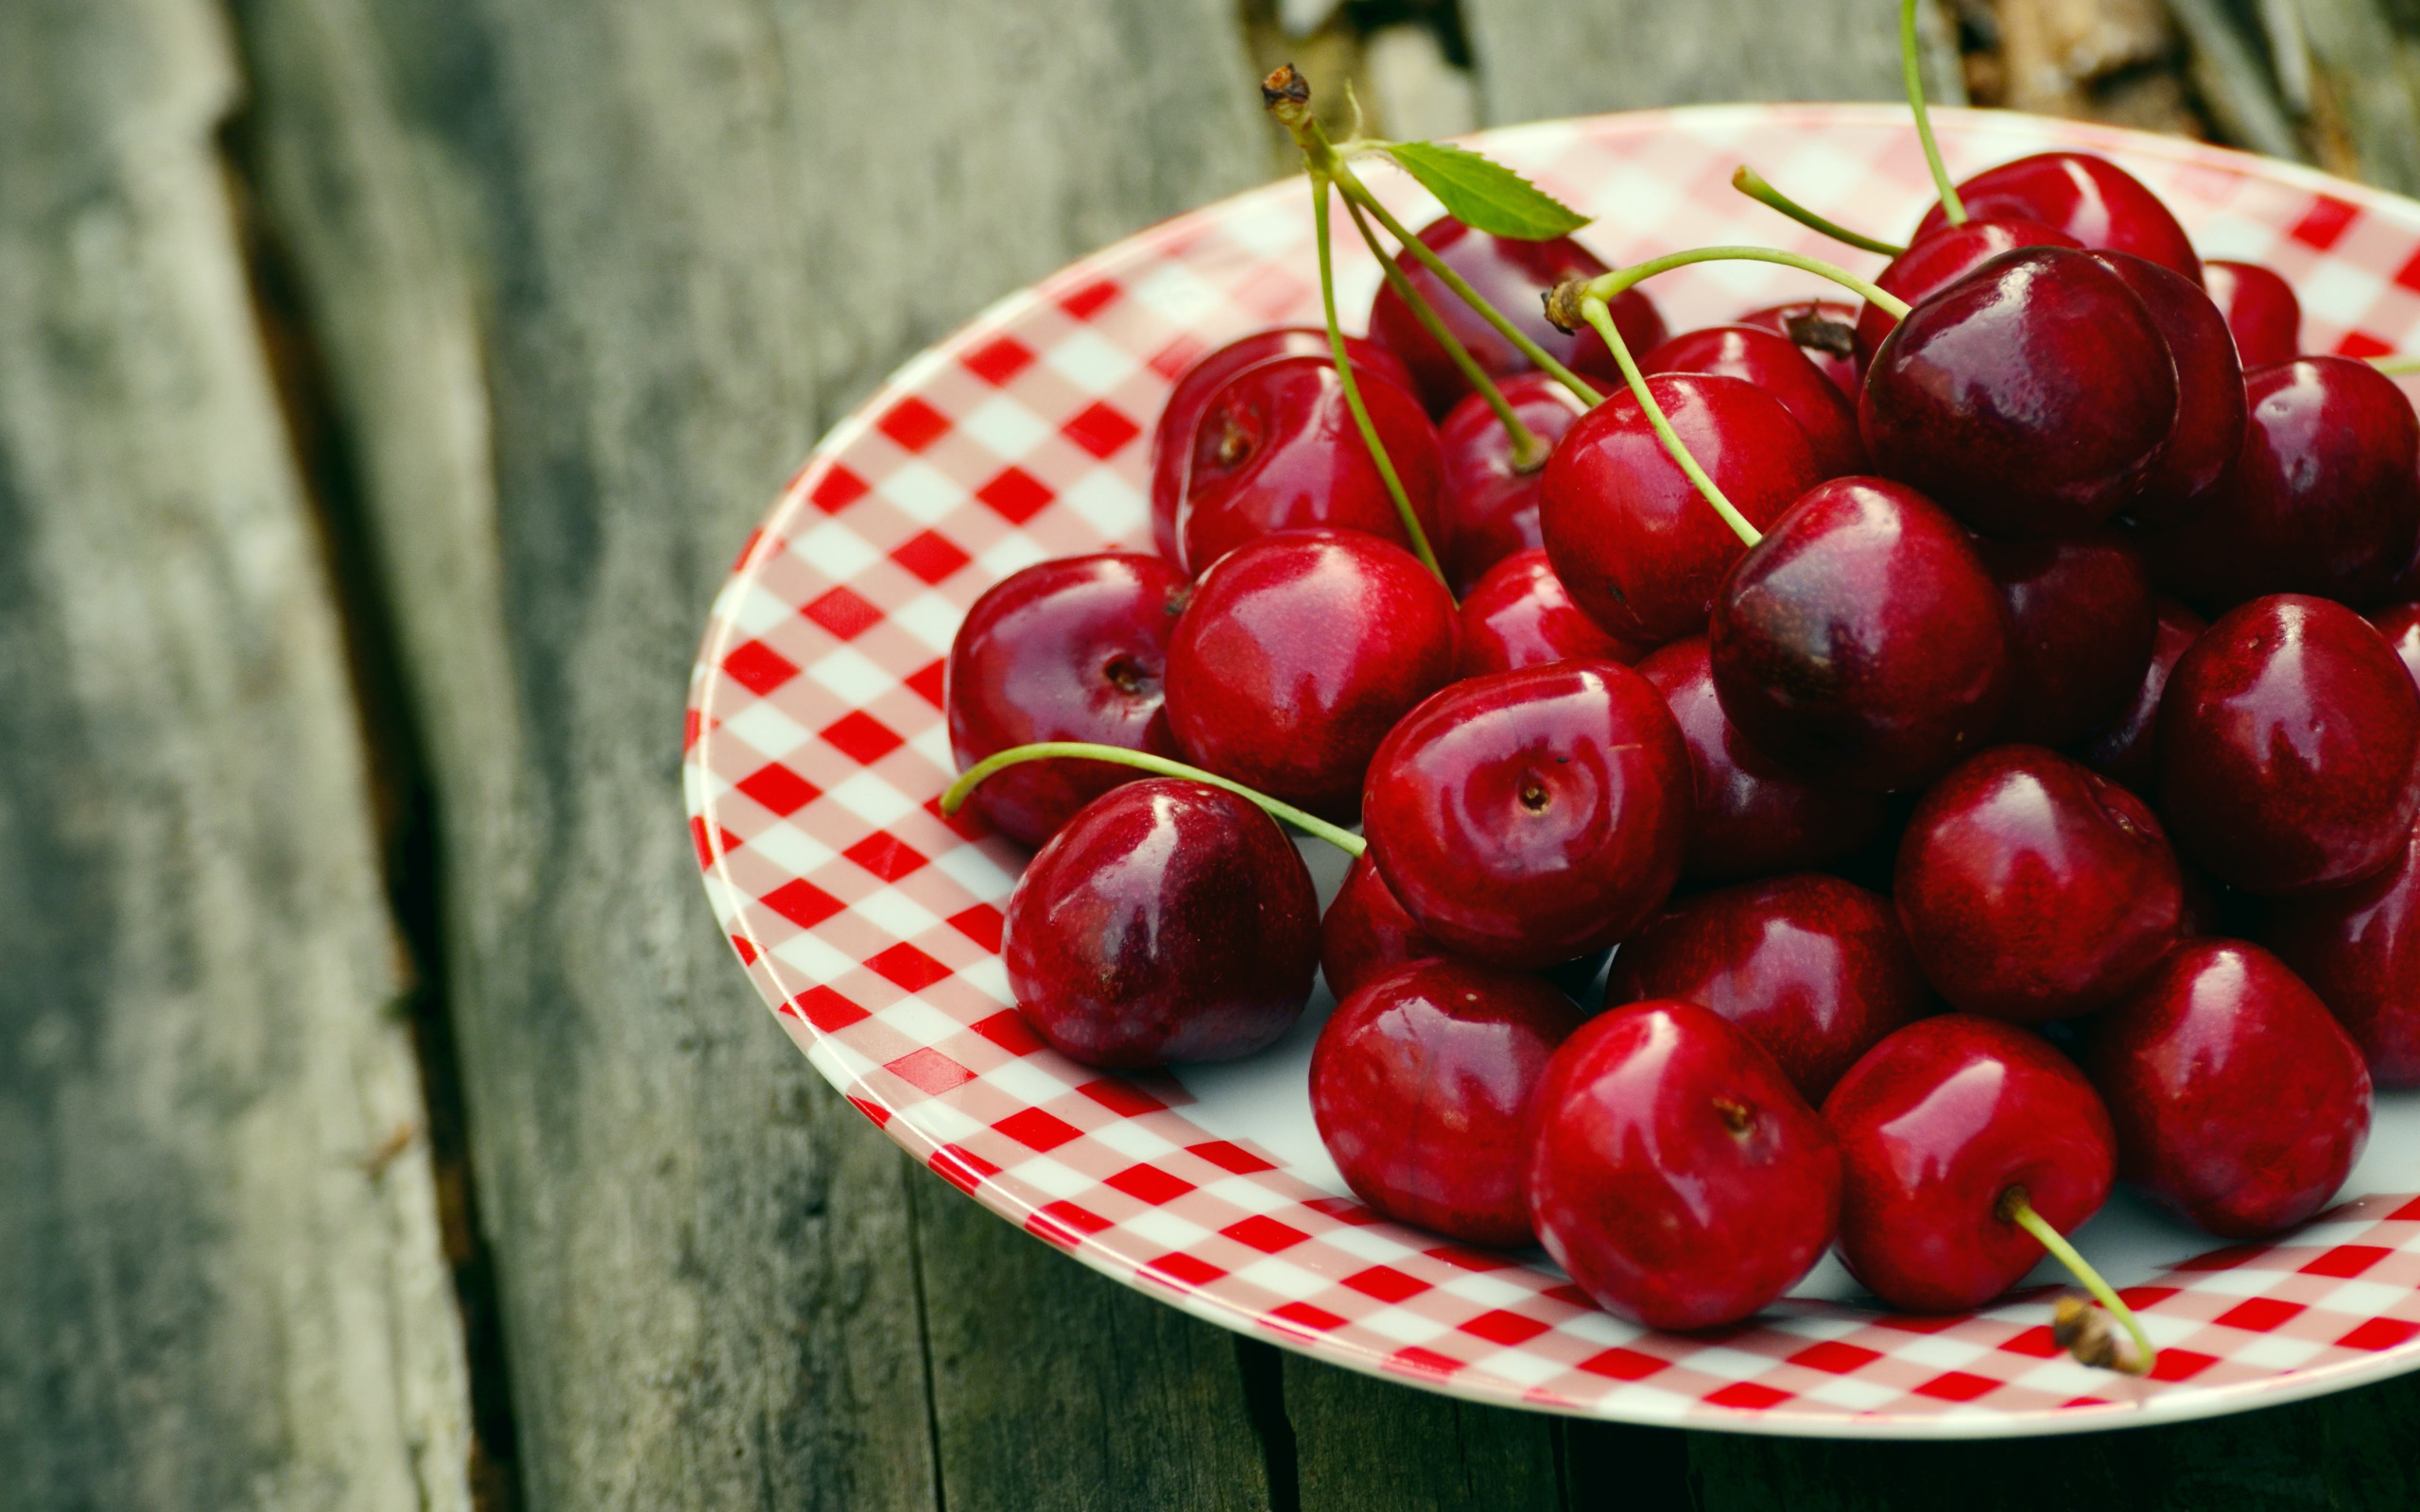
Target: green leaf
(1485,195)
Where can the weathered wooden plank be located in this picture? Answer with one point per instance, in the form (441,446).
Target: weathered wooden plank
(589,279)
(1363,1443)
(221,1282)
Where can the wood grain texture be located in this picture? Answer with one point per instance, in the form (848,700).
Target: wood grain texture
(1366,1445)
(589,279)
(221,1282)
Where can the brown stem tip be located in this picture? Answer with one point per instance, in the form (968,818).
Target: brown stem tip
(2087,1332)
(1808,329)
(1563,305)
(1285,90)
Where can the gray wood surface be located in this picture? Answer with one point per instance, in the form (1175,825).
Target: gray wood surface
(220,1276)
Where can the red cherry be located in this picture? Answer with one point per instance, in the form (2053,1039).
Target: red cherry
(2358,948)
(2400,624)
(1812,968)
(2032,397)
(2238,1100)
(1830,323)
(1520,616)
(2091,199)
(1509,275)
(1775,365)
(1365,933)
(1168,921)
(1071,649)
(2323,498)
(1298,653)
(2261,311)
(1528,818)
(1639,548)
(2124,749)
(1674,1173)
(1277,449)
(1934,263)
(2081,629)
(1172,437)
(2287,741)
(2034,889)
(2210,404)
(1754,818)
(1491,507)
(1421,1084)
(1936,1124)
(1861,642)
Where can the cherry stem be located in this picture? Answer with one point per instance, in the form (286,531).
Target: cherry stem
(1369,429)
(954,798)
(2398,362)
(1752,183)
(1952,208)
(1605,285)
(2018,1209)
(1595,312)
(1529,452)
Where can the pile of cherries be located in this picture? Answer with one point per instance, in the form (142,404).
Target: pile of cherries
(2031,806)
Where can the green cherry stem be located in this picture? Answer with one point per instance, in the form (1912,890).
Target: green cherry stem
(1952,208)
(1605,285)
(1593,310)
(954,798)
(2398,362)
(1752,183)
(2018,1208)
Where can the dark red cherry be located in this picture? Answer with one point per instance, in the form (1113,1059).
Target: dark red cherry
(1168,921)
(1936,1124)
(1421,1084)
(1754,817)
(1277,449)
(1861,642)
(1528,818)
(2323,498)
(2400,624)
(2210,405)
(1491,506)
(1934,263)
(2358,948)
(1509,275)
(1520,616)
(1773,364)
(2091,199)
(1674,1174)
(1298,653)
(1071,649)
(2081,627)
(1639,548)
(2261,311)
(1172,437)
(2238,1100)
(1825,330)
(2033,887)
(1365,933)
(2032,397)
(1812,968)
(2124,749)
(2287,741)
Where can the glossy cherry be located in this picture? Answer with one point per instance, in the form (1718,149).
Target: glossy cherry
(1934,263)
(1172,435)
(1774,364)
(1298,653)
(2237,1099)
(1511,275)
(1753,816)
(2288,735)
(1491,506)
(1276,448)
(2091,199)
(1169,920)
(1825,330)
(1421,1084)
(1528,818)
(2358,948)
(2210,404)
(2400,624)
(1814,969)
(1365,933)
(2032,398)
(1861,642)
(2033,887)
(1070,650)
(2081,624)
(1674,1173)
(1520,616)
(1936,1126)
(1635,543)
(2260,309)
(2124,749)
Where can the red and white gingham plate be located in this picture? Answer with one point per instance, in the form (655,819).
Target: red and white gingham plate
(816,750)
